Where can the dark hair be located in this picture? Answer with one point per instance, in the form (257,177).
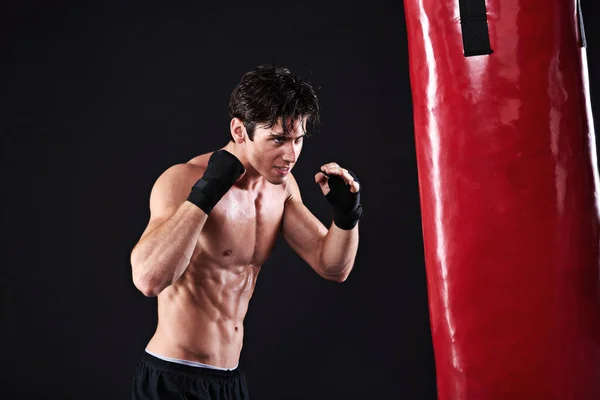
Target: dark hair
(269,93)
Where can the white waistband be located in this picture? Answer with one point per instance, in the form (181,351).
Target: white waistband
(190,363)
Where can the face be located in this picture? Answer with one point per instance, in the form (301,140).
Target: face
(274,154)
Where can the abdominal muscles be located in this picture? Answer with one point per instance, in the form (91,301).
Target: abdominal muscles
(203,313)
(200,316)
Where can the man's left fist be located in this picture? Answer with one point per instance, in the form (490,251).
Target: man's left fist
(342,190)
(333,169)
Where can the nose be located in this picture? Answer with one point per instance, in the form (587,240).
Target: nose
(290,153)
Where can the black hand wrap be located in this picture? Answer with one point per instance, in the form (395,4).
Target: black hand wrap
(222,171)
(347,209)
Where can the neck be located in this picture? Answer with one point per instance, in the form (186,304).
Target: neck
(251,177)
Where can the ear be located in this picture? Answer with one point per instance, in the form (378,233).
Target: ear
(238,130)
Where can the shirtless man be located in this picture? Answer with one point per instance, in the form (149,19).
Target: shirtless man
(214,221)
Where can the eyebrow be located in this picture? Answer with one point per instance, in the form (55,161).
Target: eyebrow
(281,135)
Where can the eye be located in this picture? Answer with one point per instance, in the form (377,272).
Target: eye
(299,140)
(278,140)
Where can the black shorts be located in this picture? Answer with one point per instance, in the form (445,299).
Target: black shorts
(157,379)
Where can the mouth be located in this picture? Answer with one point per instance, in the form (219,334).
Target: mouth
(282,170)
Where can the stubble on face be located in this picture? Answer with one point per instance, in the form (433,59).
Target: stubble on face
(274,153)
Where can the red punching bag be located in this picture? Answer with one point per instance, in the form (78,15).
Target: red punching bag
(508,185)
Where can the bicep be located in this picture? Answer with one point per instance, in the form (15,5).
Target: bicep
(303,232)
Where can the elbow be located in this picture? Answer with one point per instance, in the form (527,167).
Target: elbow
(146,287)
(338,277)
(144,282)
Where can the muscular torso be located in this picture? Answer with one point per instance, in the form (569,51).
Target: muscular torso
(200,316)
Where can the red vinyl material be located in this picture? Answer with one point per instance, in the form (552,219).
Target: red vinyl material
(508,184)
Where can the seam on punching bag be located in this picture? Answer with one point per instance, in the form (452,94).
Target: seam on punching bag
(474,27)
(583,40)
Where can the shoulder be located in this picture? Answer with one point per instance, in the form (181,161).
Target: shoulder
(200,161)
(291,189)
(192,169)
(179,174)
(177,180)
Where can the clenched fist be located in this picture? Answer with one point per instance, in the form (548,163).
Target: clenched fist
(342,190)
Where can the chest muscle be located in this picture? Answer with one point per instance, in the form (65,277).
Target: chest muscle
(242,229)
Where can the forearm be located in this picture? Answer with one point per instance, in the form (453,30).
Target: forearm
(162,256)
(339,252)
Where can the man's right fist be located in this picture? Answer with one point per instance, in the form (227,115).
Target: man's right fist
(222,171)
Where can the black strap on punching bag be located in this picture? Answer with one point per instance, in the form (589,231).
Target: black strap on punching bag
(583,40)
(475,33)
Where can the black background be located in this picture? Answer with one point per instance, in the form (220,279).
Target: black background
(100,98)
